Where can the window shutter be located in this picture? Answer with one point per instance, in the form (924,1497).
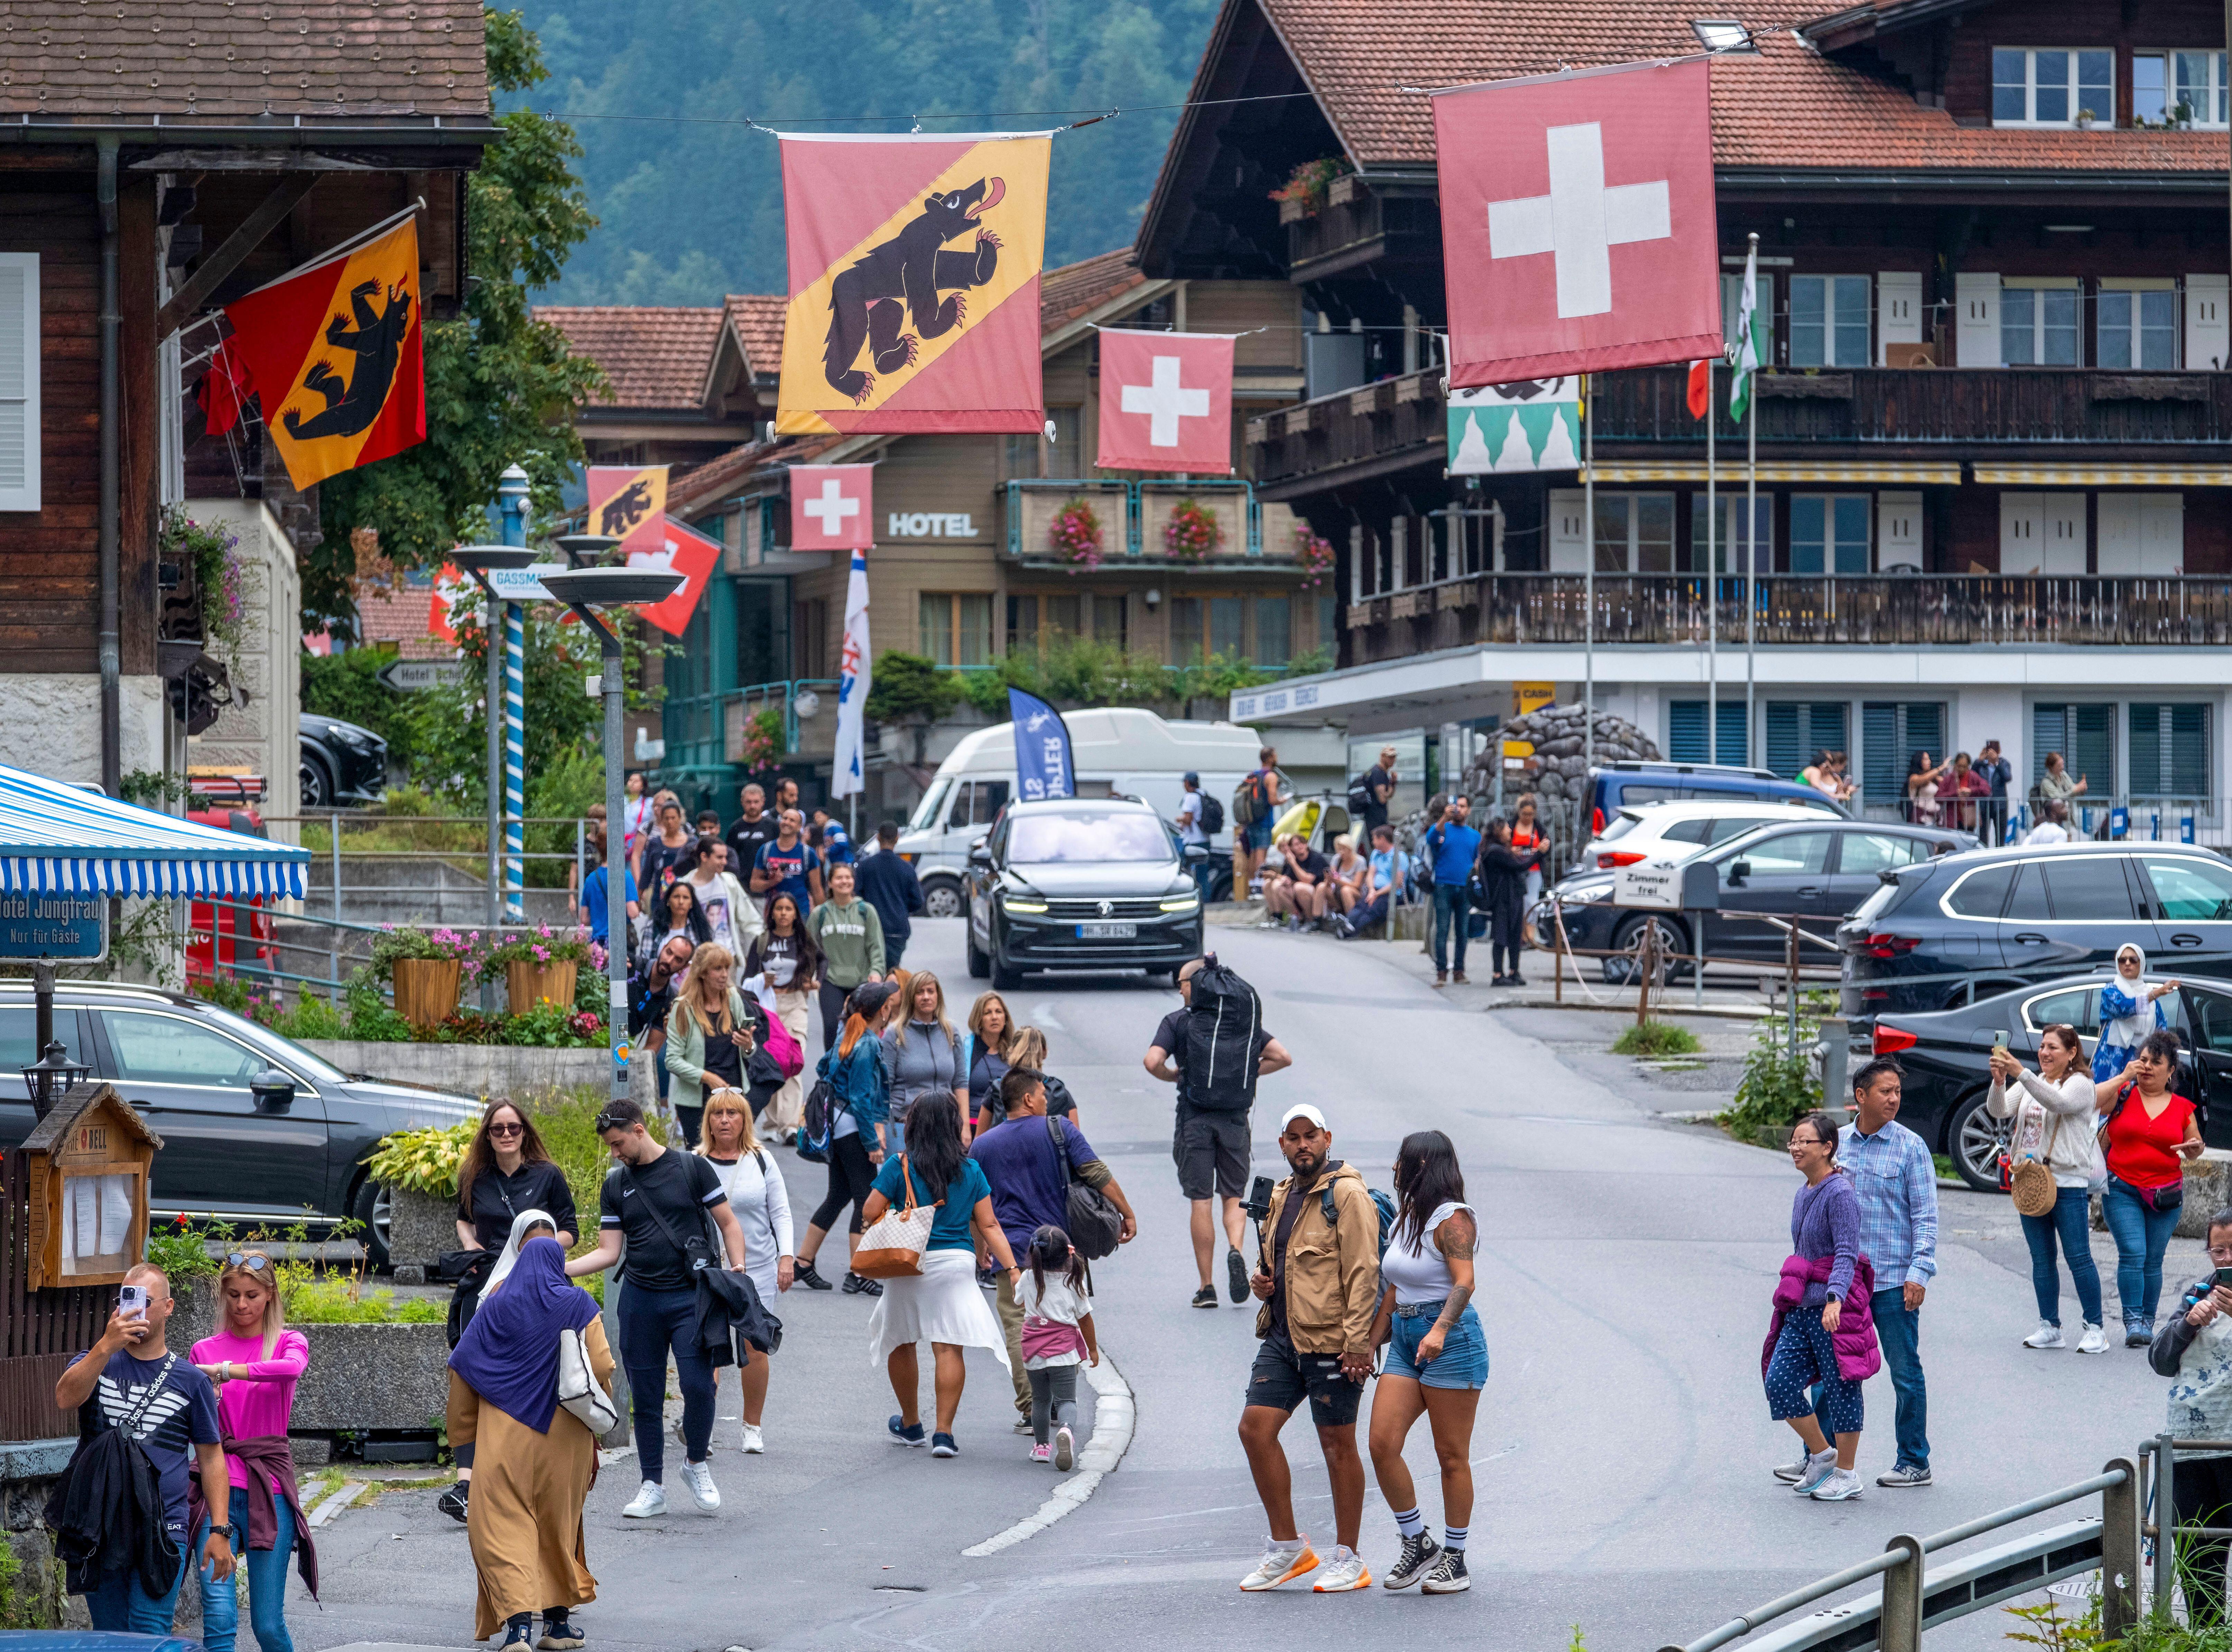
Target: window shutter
(2141,533)
(2207,329)
(1685,731)
(1786,752)
(1976,334)
(2021,521)
(19,381)
(1568,544)
(1898,311)
(1730,737)
(1898,532)
(1891,733)
(2086,737)
(2049,731)
(2169,751)
(2062,533)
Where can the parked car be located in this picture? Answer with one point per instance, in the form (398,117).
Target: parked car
(342,763)
(1944,932)
(1947,1052)
(187,1067)
(1080,883)
(1641,832)
(1615,785)
(1811,872)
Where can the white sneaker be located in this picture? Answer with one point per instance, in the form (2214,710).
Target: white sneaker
(1819,1467)
(1282,1562)
(1345,1571)
(698,1477)
(1839,1485)
(2048,1334)
(754,1445)
(2094,1341)
(649,1501)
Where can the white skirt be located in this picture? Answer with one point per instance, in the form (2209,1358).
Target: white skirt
(942,1304)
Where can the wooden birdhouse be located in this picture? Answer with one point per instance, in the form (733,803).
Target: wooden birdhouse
(87,1164)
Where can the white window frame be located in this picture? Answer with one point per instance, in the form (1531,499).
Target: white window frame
(2167,56)
(2040,284)
(26,497)
(1828,542)
(2100,117)
(2135,285)
(1831,315)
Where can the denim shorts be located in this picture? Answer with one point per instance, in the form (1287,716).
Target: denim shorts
(1258,836)
(1463,1362)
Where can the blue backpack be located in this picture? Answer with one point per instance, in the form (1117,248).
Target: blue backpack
(1381,1203)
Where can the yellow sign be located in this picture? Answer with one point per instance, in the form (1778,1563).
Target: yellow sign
(1532,696)
(1518,748)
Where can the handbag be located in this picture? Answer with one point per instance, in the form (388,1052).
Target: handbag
(892,1246)
(2032,1181)
(1095,1223)
(579,1390)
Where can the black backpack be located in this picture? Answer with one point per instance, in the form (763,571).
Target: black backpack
(1221,1041)
(1360,794)
(1212,815)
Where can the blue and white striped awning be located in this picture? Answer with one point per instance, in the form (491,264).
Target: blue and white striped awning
(56,838)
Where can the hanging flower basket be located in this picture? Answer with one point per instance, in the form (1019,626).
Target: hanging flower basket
(1193,534)
(1303,194)
(1315,556)
(763,739)
(1076,536)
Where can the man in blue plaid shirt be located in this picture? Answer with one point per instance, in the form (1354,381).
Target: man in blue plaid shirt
(1897,1181)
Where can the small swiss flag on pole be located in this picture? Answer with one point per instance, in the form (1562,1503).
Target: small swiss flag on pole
(1166,401)
(1577,228)
(832,507)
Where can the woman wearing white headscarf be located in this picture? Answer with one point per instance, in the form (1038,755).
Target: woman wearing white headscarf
(507,1258)
(2128,1012)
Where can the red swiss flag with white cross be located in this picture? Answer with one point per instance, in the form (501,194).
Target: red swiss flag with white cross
(1578,229)
(833,508)
(1166,401)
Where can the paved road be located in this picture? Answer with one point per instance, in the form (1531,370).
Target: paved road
(1623,1446)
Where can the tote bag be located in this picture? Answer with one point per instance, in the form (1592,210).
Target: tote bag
(892,1246)
(579,1391)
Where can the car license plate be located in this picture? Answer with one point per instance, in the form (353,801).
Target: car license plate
(1107,931)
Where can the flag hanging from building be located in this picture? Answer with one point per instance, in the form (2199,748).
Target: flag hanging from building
(1578,229)
(914,265)
(1748,347)
(1166,401)
(334,354)
(1532,425)
(684,551)
(832,507)
(1701,387)
(629,503)
(1043,767)
(846,774)
(456,598)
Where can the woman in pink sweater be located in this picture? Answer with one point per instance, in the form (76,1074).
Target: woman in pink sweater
(256,1362)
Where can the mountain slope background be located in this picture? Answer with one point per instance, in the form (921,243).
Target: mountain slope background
(692,208)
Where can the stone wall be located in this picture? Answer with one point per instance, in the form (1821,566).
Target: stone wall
(473,1069)
(1558,773)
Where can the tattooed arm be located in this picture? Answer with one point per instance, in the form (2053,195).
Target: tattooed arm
(1456,1239)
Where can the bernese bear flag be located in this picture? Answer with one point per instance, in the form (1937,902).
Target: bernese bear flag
(914,265)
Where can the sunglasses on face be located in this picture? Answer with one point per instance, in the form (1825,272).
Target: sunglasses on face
(506,1130)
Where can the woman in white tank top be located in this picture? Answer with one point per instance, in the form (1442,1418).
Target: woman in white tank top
(1437,1357)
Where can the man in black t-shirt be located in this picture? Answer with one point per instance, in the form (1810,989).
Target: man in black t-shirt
(755,827)
(1211,1147)
(1380,785)
(658,1200)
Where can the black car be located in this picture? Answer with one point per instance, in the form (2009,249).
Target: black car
(1811,872)
(342,763)
(1970,926)
(1947,1052)
(1080,883)
(186,1066)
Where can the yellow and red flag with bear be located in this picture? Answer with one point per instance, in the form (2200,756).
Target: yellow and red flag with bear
(334,355)
(914,282)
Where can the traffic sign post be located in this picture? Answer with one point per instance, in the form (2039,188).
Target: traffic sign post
(411,676)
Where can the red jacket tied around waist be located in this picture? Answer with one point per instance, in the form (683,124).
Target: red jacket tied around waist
(1858,1356)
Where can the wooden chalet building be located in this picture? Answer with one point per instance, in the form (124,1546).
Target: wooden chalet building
(1995,494)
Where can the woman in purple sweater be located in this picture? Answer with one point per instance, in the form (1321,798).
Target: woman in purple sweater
(1824,1227)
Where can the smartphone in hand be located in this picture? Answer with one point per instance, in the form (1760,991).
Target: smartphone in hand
(132,1301)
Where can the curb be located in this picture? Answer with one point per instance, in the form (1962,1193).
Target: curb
(1114,1417)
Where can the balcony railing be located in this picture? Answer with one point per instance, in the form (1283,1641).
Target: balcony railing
(1135,516)
(1400,422)
(1836,610)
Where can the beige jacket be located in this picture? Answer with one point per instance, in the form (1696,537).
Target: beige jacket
(1333,1274)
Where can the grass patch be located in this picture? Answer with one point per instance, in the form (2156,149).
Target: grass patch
(1657,1038)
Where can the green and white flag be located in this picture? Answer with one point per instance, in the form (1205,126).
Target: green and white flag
(1748,350)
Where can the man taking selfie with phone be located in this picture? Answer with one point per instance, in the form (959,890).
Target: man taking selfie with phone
(166,1407)
(1319,1282)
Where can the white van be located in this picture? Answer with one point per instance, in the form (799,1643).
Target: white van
(1115,750)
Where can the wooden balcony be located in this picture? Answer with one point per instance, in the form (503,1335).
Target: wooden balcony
(1855,611)
(1368,432)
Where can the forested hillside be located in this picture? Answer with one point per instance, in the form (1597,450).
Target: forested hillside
(692,208)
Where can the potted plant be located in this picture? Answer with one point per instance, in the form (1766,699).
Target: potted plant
(426,968)
(1303,194)
(2084,120)
(539,967)
(1193,534)
(763,739)
(1075,535)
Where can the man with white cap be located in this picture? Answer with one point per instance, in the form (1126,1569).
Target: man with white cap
(1318,1278)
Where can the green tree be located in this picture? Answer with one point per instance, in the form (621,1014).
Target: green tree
(909,686)
(500,388)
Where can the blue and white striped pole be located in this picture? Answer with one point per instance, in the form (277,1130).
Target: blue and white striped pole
(511,503)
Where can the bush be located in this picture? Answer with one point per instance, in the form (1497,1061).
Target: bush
(1657,1038)
(1776,1088)
(179,1251)
(908,685)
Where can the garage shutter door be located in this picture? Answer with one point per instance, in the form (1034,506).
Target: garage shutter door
(2169,751)
(1798,729)
(1892,731)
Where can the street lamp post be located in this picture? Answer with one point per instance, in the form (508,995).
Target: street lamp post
(479,561)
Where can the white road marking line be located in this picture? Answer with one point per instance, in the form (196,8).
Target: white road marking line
(1114,1415)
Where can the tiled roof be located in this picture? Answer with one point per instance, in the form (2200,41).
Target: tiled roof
(1077,289)
(757,318)
(656,358)
(1788,107)
(213,60)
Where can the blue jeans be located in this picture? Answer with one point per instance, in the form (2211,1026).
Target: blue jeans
(1898,1333)
(652,1323)
(2069,1223)
(267,1584)
(1450,910)
(2141,1235)
(120,1606)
